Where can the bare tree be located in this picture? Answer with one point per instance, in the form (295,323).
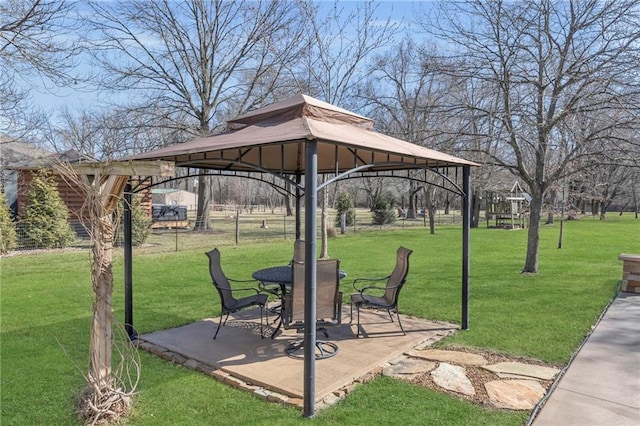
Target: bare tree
(107,134)
(194,63)
(403,91)
(339,41)
(544,67)
(609,179)
(36,50)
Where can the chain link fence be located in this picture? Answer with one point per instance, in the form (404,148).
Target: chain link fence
(230,227)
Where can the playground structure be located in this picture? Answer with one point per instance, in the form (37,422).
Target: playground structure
(507,211)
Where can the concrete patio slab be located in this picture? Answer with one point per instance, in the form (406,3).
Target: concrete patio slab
(240,352)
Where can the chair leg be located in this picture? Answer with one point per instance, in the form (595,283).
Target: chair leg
(219,324)
(273,335)
(390,316)
(358,313)
(399,322)
(262,311)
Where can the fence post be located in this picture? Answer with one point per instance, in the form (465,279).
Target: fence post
(237,226)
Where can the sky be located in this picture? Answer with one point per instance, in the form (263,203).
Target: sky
(52,99)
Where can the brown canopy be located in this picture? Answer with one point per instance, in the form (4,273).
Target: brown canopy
(273,138)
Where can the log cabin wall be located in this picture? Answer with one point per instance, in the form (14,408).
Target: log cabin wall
(71,196)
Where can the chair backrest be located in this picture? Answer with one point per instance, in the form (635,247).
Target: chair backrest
(219,279)
(398,276)
(327,291)
(328,288)
(298,251)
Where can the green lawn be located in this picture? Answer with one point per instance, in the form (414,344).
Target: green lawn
(46,302)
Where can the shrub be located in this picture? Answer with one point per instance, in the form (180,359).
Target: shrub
(383,209)
(45,221)
(140,222)
(7,227)
(344,204)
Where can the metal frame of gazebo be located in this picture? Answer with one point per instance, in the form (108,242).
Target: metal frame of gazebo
(303,136)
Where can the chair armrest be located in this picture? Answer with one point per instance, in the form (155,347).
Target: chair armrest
(364,290)
(241,281)
(368,280)
(275,289)
(244,288)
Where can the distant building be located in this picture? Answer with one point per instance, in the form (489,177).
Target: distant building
(174,197)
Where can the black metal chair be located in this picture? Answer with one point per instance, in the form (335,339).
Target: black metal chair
(328,305)
(231,304)
(278,289)
(387,297)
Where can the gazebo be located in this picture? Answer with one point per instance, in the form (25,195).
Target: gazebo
(303,136)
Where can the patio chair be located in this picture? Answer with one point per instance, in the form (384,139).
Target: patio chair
(387,296)
(328,305)
(231,304)
(279,289)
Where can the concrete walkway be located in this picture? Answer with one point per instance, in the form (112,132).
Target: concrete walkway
(602,384)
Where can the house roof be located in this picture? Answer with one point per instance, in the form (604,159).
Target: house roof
(14,153)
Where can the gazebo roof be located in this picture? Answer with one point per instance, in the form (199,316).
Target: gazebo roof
(272,139)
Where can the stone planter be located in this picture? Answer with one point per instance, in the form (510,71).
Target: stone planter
(630,272)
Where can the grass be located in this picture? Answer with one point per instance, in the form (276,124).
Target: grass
(46,302)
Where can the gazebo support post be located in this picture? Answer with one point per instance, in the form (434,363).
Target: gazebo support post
(311,203)
(128,264)
(298,215)
(466,225)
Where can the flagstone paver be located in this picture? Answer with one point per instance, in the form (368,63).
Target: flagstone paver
(456,357)
(453,378)
(515,394)
(408,367)
(521,369)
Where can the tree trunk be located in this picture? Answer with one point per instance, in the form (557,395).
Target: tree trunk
(324,251)
(287,199)
(411,210)
(603,211)
(533,237)
(204,201)
(102,277)
(475,210)
(431,208)
(550,219)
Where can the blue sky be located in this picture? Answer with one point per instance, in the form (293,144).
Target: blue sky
(52,98)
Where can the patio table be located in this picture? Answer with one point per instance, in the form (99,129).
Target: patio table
(279,275)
